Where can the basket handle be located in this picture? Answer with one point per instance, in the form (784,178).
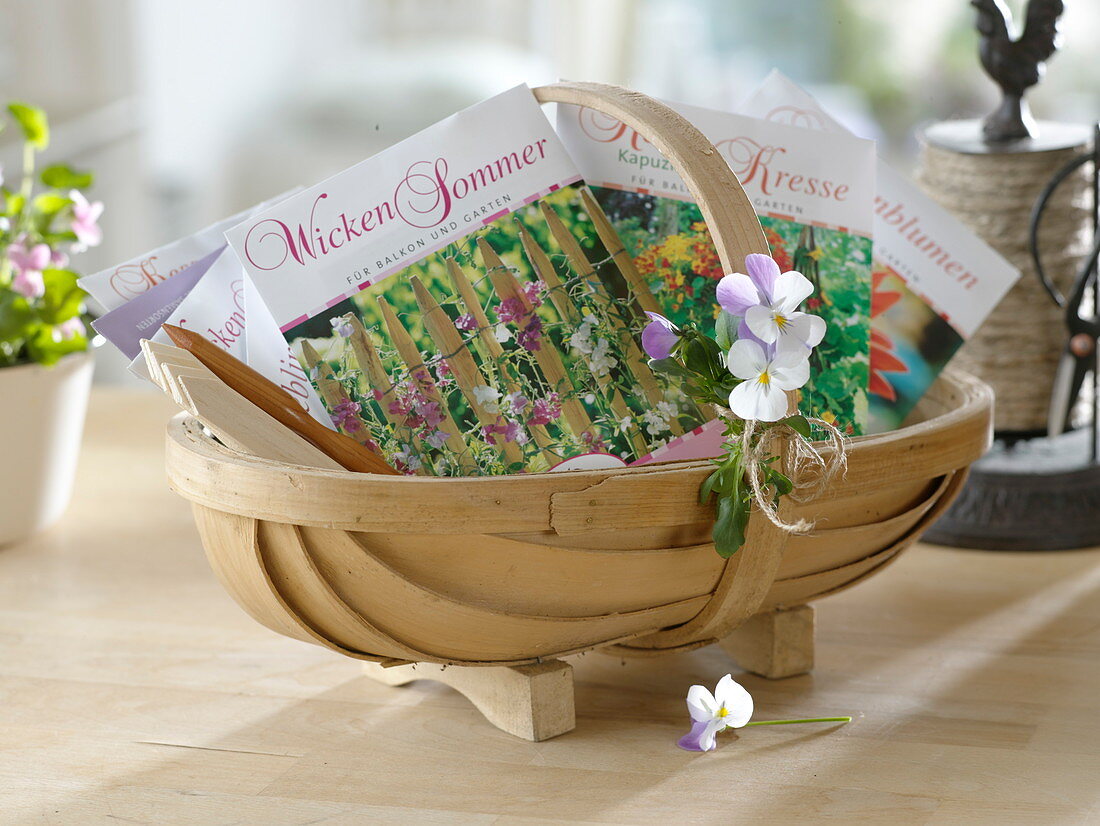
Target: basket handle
(726,208)
(748,576)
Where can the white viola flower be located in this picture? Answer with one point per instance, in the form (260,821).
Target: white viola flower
(730,706)
(600,359)
(655,422)
(502,334)
(667,410)
(767,300)
(777,316)
(624,424)
(488,398)
(580,342)
(766,377)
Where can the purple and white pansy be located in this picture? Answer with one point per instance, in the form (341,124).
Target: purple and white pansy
(768,301)
(730,706)
(659,336)
(774,338)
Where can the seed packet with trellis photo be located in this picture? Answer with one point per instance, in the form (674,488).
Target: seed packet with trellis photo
(454,302)
(813,193)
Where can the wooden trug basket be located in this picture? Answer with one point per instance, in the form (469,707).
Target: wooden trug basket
(423,576)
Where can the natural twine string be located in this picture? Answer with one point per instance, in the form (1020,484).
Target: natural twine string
(810,472)
(1018,347)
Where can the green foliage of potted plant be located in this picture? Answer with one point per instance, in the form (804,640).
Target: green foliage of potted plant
(45,369)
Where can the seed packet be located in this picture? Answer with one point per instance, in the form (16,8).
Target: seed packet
(214,307)
(813,195)
(220,308)
(268,354)
(140,317)
(124,282)
(453,304)
(934,281)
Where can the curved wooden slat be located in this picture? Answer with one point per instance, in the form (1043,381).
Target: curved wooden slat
(804,589)
(512,575)
(743,586)
(301,586)
(648,496)
(232,549)
(450,630)
(883,503)
(626,539)
(726,208)
(827,548)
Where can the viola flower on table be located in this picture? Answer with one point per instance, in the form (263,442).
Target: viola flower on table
(729,707)
(42,308)
(759,354)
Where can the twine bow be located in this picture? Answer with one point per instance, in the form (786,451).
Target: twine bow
(810,472)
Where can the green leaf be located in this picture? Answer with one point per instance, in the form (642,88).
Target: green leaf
(33,122)
(45,349)
(780,481)
(730,525)
(725,330)
(61,176)
(56,238)
(701,356)
(799,425)
(49,204)
(13,203)
(669,367)
(706,490)
(716,353)
(18,319)
(63,299)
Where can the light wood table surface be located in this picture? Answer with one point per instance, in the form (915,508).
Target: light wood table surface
(133,690)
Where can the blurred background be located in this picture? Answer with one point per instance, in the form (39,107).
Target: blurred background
(189,110)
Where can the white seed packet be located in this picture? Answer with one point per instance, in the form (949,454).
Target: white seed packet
(223,309)
(934,280)
(123,282)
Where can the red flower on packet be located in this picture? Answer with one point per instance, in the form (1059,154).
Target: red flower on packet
(883,358)
(779,250)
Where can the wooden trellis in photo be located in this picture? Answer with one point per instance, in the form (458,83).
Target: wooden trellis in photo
(480,360)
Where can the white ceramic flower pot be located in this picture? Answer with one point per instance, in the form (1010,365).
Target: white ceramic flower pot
(41,423)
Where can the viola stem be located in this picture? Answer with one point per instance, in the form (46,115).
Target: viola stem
(808,720)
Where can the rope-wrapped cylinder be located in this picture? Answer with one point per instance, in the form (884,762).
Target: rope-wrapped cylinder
(1018,347)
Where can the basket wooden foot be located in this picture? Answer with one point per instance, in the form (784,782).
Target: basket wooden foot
(534,702)
(775,644)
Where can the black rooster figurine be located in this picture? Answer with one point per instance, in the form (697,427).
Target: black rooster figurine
(1015,64)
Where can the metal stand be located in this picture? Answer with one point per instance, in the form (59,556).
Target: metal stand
(1039,494)
(1043,492)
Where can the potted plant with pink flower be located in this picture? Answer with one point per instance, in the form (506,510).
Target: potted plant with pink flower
(45,369)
